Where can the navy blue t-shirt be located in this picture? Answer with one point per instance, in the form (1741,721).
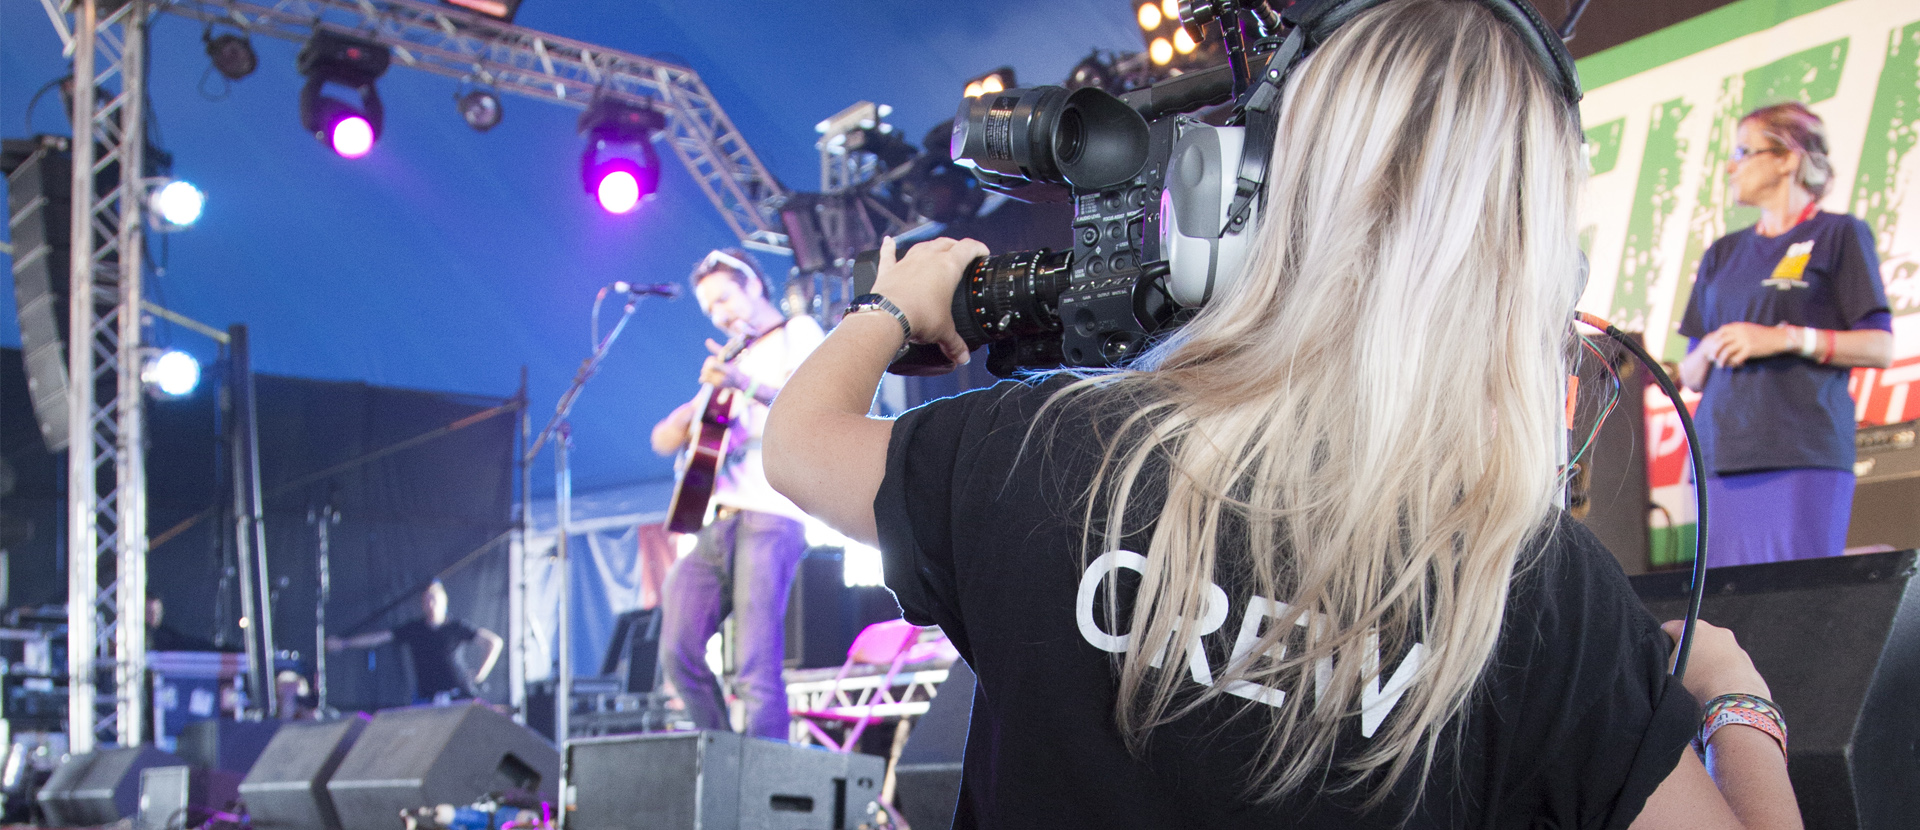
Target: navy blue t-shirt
(1784,411)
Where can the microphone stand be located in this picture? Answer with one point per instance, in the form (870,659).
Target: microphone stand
(322,518)
(561,433)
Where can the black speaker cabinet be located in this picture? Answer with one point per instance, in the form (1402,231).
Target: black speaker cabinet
(231,745)
(715,781)
(1888,489)
(99,787)
(175,797)
(1838,640)
(423,756)
(927,779)
(286,789)
(39,210)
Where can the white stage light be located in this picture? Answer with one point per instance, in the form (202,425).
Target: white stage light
(179,204)
(173,373)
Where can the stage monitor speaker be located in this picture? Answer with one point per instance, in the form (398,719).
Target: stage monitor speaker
(927,779)
(1888,487)
(56,795)
(39,210)
(99,787)
(716,781)
(231,745)
(634,651)
(172,798)
(286,788)
(1838,640)
(423,756)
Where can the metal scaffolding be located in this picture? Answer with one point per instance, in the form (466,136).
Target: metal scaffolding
(509,58)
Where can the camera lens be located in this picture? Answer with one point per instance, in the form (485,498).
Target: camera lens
(1012,296)
(1086,138)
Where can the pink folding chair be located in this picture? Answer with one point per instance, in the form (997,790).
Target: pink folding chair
(881,644)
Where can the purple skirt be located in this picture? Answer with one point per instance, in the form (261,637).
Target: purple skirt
(1777,515)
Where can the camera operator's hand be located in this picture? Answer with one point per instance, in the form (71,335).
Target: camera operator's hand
(1718,665)
(922,285)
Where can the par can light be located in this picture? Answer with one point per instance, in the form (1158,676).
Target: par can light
(172,373)
(480,109)
(232,55)
(178,204)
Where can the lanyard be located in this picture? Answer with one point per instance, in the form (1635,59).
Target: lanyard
(1805,214)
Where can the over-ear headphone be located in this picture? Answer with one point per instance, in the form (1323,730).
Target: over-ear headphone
(1217,174)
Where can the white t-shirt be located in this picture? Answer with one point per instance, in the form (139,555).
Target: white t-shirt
(771,361)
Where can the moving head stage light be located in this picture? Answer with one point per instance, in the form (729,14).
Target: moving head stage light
(349,62)
(619,166)
(1162,200)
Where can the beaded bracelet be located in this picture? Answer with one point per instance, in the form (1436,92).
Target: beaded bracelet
(1746,710)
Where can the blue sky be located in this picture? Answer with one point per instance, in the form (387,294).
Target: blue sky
(446,259)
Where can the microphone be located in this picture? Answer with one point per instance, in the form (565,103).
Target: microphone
(668,290)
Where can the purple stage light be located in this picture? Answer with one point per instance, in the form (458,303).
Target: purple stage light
(619,167)
(352,136)
(618,191)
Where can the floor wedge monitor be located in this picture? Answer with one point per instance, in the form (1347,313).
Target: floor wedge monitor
(286,789)
(1838,640)
(429,755)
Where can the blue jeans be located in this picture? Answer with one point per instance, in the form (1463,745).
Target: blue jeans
(742,565)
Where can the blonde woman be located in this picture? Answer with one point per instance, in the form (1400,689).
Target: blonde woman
(1302,566)
(1779,315)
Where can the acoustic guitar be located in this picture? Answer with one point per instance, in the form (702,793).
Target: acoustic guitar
(719,408)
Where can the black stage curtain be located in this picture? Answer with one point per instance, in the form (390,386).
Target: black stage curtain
(404,517)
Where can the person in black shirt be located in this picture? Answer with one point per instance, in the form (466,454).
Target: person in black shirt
(163,637)
(1301,565)
(433,642)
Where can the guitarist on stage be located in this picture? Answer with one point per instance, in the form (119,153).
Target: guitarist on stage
(745,558)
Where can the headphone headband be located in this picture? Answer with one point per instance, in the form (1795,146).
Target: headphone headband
(1318,19)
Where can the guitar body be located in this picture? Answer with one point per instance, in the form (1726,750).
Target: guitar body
(707,450)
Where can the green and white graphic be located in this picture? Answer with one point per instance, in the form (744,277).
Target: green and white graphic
(1662,113)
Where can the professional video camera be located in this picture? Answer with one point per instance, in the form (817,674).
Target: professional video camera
(1161,200)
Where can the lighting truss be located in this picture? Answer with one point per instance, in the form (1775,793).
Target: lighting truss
(107,512)
(514,59)
(103,38)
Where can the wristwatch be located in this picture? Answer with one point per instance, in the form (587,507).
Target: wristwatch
(875,302)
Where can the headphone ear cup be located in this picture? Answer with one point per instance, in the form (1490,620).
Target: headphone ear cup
(1203,257)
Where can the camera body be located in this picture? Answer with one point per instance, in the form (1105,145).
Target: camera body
(1100,303)
(1163,203)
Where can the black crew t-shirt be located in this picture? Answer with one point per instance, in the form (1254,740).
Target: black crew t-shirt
(436,656)
(1574,724)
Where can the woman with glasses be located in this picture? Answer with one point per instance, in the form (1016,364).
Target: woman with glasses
(1780,313)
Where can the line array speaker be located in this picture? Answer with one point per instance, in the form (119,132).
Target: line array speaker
(39,212)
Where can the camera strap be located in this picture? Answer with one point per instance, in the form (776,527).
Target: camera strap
(1261,115)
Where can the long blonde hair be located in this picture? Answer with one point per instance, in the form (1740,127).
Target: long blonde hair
(1372,409)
